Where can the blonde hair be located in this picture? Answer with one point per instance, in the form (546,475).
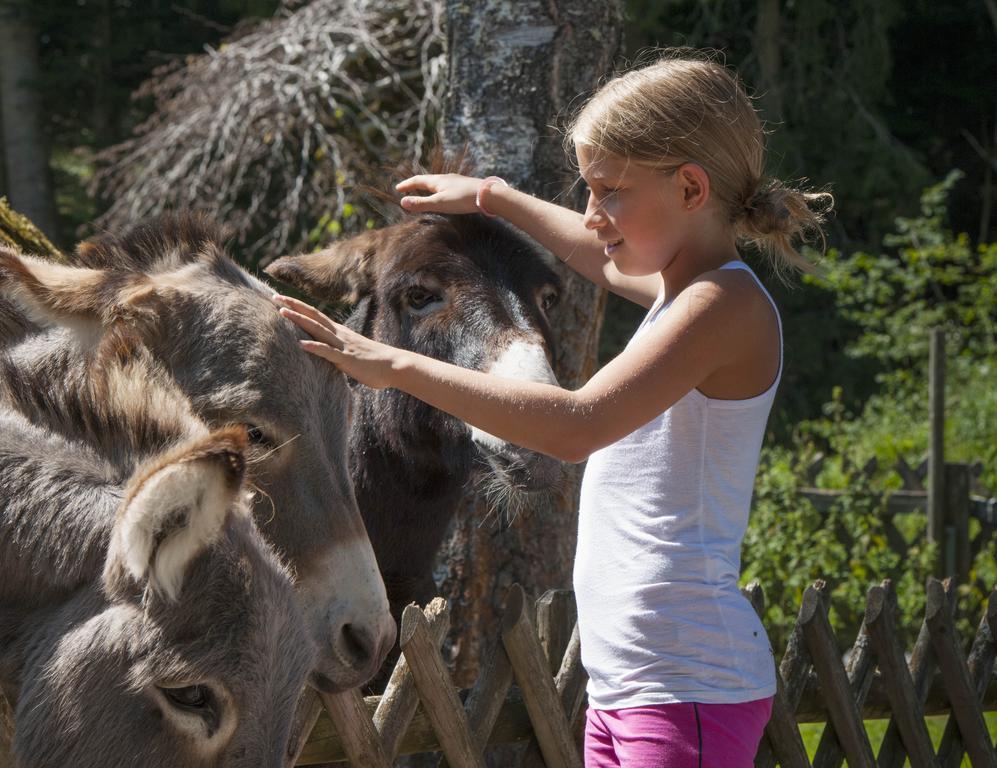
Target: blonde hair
(688,107)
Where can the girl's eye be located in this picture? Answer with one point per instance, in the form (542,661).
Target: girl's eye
(419,298)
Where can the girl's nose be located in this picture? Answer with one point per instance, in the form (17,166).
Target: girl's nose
(594,217)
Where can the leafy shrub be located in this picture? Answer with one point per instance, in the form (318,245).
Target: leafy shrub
(927,278)
(930,279)
(790,544)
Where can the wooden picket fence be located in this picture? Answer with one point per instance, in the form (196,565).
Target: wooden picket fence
(421,710)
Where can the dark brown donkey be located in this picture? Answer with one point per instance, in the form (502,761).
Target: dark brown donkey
(212,327)
(465,289)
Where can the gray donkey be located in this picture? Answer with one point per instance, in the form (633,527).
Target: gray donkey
(212,327)
(184,647)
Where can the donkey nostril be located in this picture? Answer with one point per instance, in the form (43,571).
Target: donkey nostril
(357,644)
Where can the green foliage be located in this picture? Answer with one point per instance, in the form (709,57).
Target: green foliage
(926,277)
(93,54)
(789,544)
(929,278)
(876,730)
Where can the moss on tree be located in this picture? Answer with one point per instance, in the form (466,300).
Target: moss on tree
(20,232)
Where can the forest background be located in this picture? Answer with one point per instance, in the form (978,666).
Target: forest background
(890,105)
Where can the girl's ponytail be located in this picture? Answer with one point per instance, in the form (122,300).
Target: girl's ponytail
(773,216)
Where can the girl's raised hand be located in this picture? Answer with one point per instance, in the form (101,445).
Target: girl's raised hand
(365,360)
(448,193)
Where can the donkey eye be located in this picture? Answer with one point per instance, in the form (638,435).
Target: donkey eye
(549,299)
(256,434)
(190,697)
(419,298)
(197,710)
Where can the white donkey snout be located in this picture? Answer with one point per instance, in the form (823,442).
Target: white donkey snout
(359,628)
(522,360)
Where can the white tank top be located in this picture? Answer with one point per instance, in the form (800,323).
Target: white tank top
(662,515)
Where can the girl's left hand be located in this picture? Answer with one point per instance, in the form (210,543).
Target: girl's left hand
(369,362)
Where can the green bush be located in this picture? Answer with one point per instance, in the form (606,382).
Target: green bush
(789,544)
(927,277)
(931,278)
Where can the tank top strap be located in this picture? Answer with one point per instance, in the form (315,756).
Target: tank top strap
(660,305)
(775,308)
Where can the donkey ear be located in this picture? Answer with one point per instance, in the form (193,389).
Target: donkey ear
(52,293)
(173,510)
(341,273)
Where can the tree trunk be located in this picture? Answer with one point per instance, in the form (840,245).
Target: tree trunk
(768,47)
(3,170)
(516,66)
(29,183)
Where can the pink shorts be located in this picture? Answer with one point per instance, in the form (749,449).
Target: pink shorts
(676,735)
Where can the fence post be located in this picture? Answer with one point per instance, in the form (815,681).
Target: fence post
(957,554)
(936,447)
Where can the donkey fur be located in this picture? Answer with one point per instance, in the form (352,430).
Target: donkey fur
(490,290)
(118,587)
(212,329)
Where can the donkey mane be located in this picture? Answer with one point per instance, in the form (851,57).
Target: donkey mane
(160,244)
(121,401)
(14,324)
(78,425)
(385,198)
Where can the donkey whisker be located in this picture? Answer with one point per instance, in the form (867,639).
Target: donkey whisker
(272,451)
(273,506)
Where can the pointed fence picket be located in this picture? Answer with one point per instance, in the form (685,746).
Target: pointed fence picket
(421,710)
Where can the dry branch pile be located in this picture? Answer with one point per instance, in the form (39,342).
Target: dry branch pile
(269,133)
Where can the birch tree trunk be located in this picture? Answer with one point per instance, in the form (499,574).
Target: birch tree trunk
(516,66)
(29,185)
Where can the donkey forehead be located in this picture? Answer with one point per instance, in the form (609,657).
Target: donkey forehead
(254,351)
(451,269)
(454,253)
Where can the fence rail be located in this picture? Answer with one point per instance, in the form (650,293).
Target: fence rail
(543,710)
(961,500)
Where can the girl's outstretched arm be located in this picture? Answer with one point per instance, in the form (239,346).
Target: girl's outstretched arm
(712,325)
(559,230)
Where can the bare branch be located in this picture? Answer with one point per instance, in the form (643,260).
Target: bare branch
(271,130)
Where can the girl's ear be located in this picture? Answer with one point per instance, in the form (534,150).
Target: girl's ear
(694,185)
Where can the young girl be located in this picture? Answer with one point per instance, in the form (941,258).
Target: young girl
(681,671)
